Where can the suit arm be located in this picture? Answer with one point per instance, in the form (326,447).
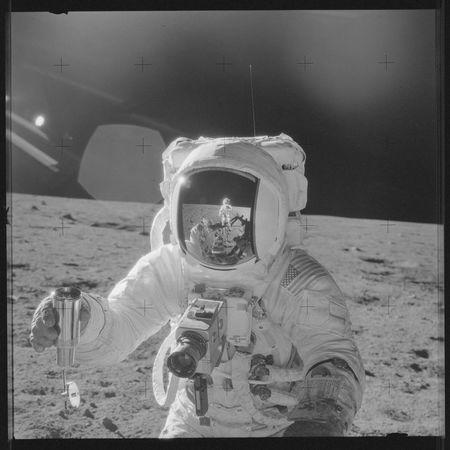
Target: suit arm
(137,307)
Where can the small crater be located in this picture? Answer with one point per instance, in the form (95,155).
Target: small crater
(110,394)
(35,391)
(54,433)
(412,388)
(369,373)
(105,224)
(52,374)
(367,299)
(407,389)
(24,266)
(87,413)
(416,367)
(117,226)
(384,273)
(422,353)
(127,227)
(68,217)
(105,383)
(398,415)
(426,285)
(109,424)
(372,259)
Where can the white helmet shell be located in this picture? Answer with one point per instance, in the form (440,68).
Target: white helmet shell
(278,165)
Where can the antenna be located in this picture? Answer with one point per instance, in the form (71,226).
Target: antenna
(253,103)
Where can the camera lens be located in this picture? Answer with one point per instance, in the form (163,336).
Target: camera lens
(191,348)
(182,364)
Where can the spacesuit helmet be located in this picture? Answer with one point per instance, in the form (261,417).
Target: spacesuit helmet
(229,206)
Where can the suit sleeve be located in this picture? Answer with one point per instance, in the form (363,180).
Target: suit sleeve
(313,311)
(137,307)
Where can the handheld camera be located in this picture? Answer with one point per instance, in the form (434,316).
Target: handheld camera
(200,338)
(202,335)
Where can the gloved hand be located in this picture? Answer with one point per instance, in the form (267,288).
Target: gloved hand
(43,331)
(326,401)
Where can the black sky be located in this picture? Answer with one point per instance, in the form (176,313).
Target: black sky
(357,89)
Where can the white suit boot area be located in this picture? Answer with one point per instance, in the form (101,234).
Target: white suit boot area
(261,342)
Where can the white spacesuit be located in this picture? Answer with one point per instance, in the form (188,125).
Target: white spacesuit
(301,374)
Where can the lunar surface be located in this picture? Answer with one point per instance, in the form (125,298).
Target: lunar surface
(388,272)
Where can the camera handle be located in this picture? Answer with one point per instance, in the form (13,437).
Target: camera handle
(200,394)
(201,391)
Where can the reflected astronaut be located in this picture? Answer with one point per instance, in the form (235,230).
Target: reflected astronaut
(261,332)
(225,212)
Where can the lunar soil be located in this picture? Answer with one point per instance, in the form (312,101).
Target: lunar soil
(388,272)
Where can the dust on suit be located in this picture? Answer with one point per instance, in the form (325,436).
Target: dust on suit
(300,323)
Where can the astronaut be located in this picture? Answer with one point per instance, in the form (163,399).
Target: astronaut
(301,373)
(225,212)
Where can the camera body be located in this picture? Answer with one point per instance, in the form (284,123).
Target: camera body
(204,324)
(203,331)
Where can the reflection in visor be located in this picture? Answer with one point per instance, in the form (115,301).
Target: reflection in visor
(216,216)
